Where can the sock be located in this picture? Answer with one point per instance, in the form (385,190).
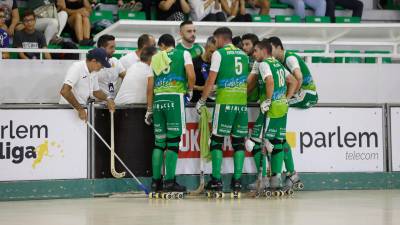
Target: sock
(157,159)
(257,160)
(171,159)
(216,157)
(288,158)
(277,162)
(238,160)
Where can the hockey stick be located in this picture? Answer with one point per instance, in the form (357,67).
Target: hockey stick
(140,185)
(263,153)
(113,171)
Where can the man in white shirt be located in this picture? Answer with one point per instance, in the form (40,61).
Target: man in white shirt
(133,87)
(108,77)
(145,40)
(81,83)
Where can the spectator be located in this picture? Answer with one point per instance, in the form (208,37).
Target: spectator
(172,10)
(299,6)
(78,19)
(108,77)
(4,39)
(30,38)
(145,40)
(11,13)
(187,31)
(137,5)
(81,85)
(201,66)
(48,20)
(206,10)
(262,4)
(355,5)
(236,10)
(133,87)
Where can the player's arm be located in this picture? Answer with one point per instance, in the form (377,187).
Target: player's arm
(212,75)
(251,82)
(149,92)
(266,75)
(252,78)
(294,68)
(189,68)
(66,92)
(292,84)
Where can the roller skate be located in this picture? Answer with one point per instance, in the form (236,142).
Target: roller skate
(275,186)
(236,186)
(156,188)
(173,190)
(262,190)
(214,188)
(293,181)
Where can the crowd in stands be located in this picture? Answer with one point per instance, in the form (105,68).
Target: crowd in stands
(40,23)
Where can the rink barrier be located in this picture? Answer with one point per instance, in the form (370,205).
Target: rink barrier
(76,188)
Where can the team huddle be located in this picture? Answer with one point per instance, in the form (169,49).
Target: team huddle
(280,79)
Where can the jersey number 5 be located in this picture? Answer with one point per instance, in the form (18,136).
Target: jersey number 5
(238,66)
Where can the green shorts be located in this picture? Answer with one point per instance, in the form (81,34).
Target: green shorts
(230,119)
(309,99)
(258,126)
(276,128)
(169,115)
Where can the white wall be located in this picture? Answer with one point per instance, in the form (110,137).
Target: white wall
(28,81)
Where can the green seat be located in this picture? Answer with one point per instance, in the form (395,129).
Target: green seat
(318,19)
(287,19)
(348,59)
(373,59)
(54,46)
(261,18)
(129,15)
(318,59)
(100,15)
(338,7)
(292,50)
(345,19)
(85,47)
(275,4)
(392,5)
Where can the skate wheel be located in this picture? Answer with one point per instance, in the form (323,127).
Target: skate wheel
(276,193)
(282,193)
(300,186)
(180,196)
(239,195)
(222,195)
(168,196)
(257,195)
(268,194)
(208,194)
(290,192)
(151,195)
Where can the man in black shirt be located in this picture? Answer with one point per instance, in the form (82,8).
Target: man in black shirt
(202,65)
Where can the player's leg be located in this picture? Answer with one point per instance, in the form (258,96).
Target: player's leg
(176,125)
(272,135)
(221,128)
(159,145)
(239,132)
(254,143)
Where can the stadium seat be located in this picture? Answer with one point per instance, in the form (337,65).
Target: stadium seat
(318,19)
(345,19)
(100,15)
(287,19)
(278,5)
(129,15)
(348,59)
(316,59)
(392,5)
(374,60)
(261,18)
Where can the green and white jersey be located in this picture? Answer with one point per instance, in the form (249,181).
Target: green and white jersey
(272,67)
(195,51)
(232,66)
(293,61)
(173,79)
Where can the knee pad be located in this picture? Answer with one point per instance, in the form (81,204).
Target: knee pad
(216,143)
(160,143)
(238,144)
(173,143)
